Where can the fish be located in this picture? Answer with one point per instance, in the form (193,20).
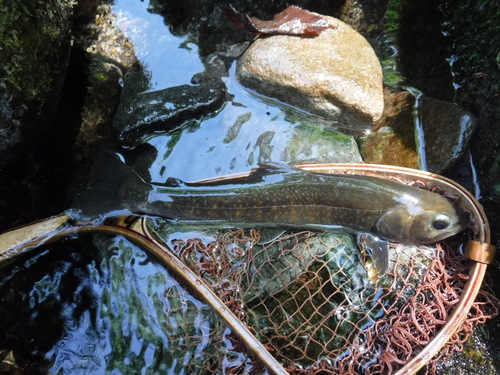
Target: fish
(278,195)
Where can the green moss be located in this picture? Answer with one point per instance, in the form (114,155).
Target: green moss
(387,48)
(474,28)
(31,37)
(101,76)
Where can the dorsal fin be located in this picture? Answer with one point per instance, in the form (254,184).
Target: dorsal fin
(256,175)
(270,168)
(173,182)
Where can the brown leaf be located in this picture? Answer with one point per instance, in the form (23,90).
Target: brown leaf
(292,21)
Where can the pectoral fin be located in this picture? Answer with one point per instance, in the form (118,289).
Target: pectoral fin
(268,235)
(375,251)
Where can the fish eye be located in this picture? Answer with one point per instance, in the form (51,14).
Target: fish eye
(440,224)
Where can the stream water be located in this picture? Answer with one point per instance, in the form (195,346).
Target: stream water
(170,60)
(101,305)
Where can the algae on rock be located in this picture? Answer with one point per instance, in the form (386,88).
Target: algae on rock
(35,41)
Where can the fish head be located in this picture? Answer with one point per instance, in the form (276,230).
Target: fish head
(427,220)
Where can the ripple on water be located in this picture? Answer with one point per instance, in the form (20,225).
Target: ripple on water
(100,304)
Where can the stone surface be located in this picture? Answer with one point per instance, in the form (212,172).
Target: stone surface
(475,45)
(335,75)
(365,16)
(447,132)
(48,174)
(446,129)
(475,42)
(393,142)
(141,113)
(35,46)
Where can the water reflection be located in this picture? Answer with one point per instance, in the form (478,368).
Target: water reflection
(249,130)
(102,305)
(154,44)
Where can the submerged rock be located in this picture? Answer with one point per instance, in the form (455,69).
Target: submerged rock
(419,132)
(146,112)
(394,141)
(35,39)
(335,75)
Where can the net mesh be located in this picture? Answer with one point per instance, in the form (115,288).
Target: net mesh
(310,300)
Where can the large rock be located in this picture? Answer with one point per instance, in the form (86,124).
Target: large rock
(35,39)
(335,75)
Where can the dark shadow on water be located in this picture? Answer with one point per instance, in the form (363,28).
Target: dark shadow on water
(40,295)
(36,186)
(424,49)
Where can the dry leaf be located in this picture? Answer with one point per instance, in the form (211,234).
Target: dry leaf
(292,21)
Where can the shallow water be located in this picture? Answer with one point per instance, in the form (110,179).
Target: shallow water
(249,130)
(102,305)
(170,60)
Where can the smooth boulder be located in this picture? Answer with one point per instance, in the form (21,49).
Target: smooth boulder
(335,75)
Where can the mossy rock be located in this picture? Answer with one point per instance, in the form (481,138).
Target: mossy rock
(35,42)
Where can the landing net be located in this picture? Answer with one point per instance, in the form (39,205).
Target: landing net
(309,298)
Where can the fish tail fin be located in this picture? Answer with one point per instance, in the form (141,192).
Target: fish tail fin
(102,195)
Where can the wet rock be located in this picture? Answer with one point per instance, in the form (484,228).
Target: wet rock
(365,16)
(446,129)
(335,75)
(317,144)
(477,357)
(108,54)
(447,132)
(475,46)
(143,112)
(393,142)
(35,39)
(475,43)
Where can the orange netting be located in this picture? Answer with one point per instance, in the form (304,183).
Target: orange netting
(308,298)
